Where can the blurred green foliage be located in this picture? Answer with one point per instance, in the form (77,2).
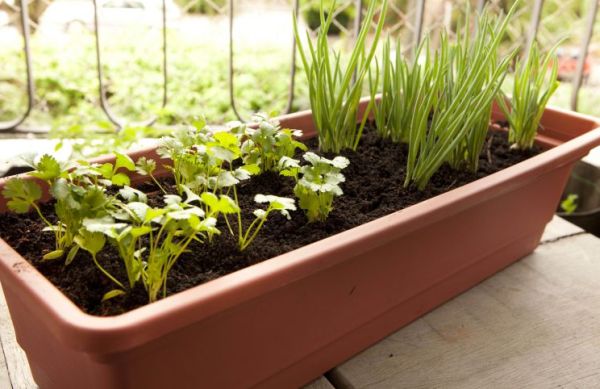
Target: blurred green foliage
(205,7)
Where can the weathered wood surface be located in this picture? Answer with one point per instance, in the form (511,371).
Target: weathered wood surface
(4,377)
(559,228)
(320,383)
(536,324)
(13,357)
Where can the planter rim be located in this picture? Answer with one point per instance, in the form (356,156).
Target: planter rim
(117,333)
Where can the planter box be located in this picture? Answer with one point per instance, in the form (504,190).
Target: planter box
(285,321)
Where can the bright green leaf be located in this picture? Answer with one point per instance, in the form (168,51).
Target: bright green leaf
(21,194)
(112,294)
(124,161)
(47,168)
(120,179)
(92,242)
(53,255)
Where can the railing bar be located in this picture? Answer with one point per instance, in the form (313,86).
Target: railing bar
(119,123)
(291,93)
(585,45)
(535,24)
(231,72)
(24,12)
(359,18)
(419,18)
(357,24)
(101,88)
(165,56)
(480,5)
(28,65)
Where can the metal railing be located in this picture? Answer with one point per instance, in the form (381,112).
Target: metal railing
(119,122)
(411,20)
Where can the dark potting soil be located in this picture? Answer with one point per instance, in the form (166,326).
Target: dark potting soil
(373,188)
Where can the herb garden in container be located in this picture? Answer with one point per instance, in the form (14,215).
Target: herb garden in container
(269,253)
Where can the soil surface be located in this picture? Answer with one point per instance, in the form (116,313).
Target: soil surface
(373,188)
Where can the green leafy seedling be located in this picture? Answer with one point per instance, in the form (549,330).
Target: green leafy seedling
(569,205)
(269,143)
(225,205)
(111,172)
(47,168)
(93,243)
(22,196)
(319,185)
(335,86)
(169,231)
(147,167)
(274,204)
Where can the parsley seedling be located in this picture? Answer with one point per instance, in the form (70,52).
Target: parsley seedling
(269,143)
(319,184)
(169,232)
(147,167)
(536,80)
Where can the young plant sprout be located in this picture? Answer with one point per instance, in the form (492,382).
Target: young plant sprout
(569,205)
(168,230)
(267,144)
(187,150)
(147,167)
(274,204)
(335,89)
(93,243)
(111,173)
(441,103)
(79,193)
(225,205)
(22,195)
(319,184)
(204,161)
(535,82)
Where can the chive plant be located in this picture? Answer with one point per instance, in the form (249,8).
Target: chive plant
(475,64)
(535,82)
(400,82)
(445,98)
(334,88)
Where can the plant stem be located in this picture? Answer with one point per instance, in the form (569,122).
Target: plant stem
(106,273)
(158,184)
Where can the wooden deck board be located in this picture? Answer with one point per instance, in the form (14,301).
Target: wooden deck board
(535,325)
(489,335)
(4,376)
(16,361)
(559,228)
(320,383)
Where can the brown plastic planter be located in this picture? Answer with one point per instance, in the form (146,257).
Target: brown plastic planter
(285,321)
